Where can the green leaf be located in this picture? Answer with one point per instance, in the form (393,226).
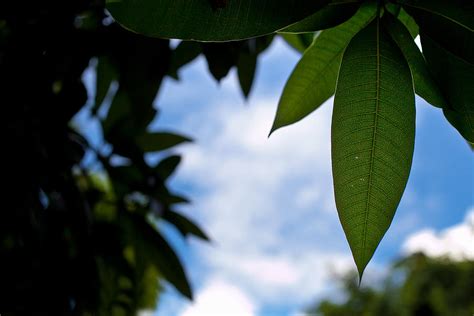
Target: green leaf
(160,253)
(456,80)
(450,23)
(184,225)
(203,21)
(184,53)
(409,23)
(246,67)
(300,42)
(331,15)
(425,86)
(373,133)
(167,166)
(314,79)
(151,142)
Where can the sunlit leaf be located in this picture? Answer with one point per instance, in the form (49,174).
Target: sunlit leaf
(373,133)
(202,20)
(314,79)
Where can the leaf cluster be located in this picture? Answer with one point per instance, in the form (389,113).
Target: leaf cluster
(363,52)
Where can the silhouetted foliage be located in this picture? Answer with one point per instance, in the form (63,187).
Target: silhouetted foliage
(78,230)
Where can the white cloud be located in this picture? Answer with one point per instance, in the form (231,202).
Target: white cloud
(221,298)
(456,242)
(266,202)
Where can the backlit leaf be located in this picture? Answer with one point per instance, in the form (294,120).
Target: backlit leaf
(314,79)
(204,21)
(373,132)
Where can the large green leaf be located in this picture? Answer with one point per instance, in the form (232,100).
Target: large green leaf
(373,132)
(456,79)
(425,86)
(450,23)
(331,15)
(314,79)
(201,20)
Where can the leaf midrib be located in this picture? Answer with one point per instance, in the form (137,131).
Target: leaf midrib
(374,137)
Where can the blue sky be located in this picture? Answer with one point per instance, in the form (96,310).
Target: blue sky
(268,203)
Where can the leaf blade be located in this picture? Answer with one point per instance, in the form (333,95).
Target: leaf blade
(425,86)
(372,138)
(456,80)
(329,16)
(313,81)
(199,20)
(157,141)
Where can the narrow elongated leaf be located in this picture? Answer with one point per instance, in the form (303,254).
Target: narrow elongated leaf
(331,15)
(425,86)
(456,80)
(246,67)
(151,142)
(450,23)
(373,132)
(167,166)
(184,225)
(314,79)
(409,23)
(184,53)
(160,253)
(203,20)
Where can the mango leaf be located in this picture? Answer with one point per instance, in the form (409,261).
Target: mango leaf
(329,16)
(167,166)
(184,225)
(300,42)
(450,23)
(246,67)
(313,81)
(159,252)
(151,142)
(205,21)
(373,133)
(409,23)
(456,80)
(425,86)
(184,53)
